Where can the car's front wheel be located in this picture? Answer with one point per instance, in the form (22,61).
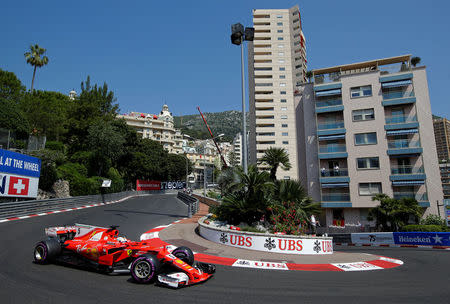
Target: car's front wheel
(185,254)
(145,268)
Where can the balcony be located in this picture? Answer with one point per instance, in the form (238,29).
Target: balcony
(401,122)
(335,200)
(403,146)
(334,176)
(398,98)
(327,78)
(333,128)
(421,198)
(330,105)
(407,173)
(332,151)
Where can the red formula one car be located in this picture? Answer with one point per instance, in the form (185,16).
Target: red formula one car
(105,250)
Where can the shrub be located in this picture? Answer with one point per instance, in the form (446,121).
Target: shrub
(433,219)
(49,161)
(286,219)
(117,182)
(54,145)
(251,229)
(213,195)
(79,183)
(425,228)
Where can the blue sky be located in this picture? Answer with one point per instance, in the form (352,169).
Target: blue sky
(179,52)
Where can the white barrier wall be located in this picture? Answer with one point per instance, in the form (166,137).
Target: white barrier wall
(267,243)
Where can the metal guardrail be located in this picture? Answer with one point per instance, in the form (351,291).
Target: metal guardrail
(190,201)
(17,209)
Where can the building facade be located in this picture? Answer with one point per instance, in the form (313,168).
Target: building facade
(442,137)
(276,64)
(366,128)
(156,127)
(445,178)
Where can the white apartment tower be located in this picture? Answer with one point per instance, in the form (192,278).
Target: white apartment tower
(276,65)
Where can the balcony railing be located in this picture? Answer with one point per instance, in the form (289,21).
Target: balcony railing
(420,197)
(326,78)
(329,103)
(333,172)
(407,170)
(403,143)
(336,197)
(397,94)
(393,68)
(332,148)
(327,126)
(397,119)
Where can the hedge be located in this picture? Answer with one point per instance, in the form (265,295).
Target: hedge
(425,228)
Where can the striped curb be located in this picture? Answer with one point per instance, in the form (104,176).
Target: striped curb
(381,263)
(61,210)
(393,245)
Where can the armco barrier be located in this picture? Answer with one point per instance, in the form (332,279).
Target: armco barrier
(17,209)
(190,201)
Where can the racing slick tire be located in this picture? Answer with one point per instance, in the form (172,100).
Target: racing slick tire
(185,254)
(46,251)
(145,268)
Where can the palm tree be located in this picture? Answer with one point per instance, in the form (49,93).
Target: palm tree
(415,61)
(274,157)
(35,58)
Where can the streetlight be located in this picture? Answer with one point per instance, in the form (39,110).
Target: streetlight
(238,36)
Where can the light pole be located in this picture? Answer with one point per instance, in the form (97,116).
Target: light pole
(238,36)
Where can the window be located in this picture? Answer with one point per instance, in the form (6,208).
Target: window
(281,46)
(361,91)
(280,38)
(283,108)
(366,114)
(369,188)
(279,23)
(282,69)
(279,16)
(280,53)
(282,76)
(280,60)
(284,133)
(279,31)
(282,84)
(282,100)
(285,142)
(287,178)
(283,116)
(284,125)
(366,139)
(282,92)
(368,163)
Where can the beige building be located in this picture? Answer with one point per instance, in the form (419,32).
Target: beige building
(276,64)
(442,137)
(373,133)
(156,127)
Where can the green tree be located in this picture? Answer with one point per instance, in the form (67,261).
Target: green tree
(233,160)
(391,214)
(46,112)
(35,57)
(274,158)
(176,167)
(309,75)
(11,114)
(415,61)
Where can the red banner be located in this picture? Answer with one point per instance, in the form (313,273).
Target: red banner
(143,185)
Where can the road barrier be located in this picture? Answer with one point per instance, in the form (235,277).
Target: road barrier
(22,208)
(190,201)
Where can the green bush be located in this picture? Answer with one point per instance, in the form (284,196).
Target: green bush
(251,229)
(79,183)
(49,161)
(54,145)
(433,219)
(425,228)
(213,195)
(117,182)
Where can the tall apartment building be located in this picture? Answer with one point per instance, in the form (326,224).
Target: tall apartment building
(276,64)
(366,128)
(156,127)
(442,136)
(445,178)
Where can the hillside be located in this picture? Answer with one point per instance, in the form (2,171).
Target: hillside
(228,122)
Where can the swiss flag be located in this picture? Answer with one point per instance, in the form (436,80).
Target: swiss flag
(18,186)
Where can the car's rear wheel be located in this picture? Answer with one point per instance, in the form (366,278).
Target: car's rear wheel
(145,268)
(46,251)
(185,254)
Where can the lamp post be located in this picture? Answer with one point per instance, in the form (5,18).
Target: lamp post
(238,36)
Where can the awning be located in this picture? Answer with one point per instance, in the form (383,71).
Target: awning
(335,185)
(396,84)
(408,183)
(328,92)
(332,137)
(401,132)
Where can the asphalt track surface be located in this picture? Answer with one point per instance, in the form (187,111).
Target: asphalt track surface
(422,279)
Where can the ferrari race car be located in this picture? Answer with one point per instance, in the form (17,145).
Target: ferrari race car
(103,249)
